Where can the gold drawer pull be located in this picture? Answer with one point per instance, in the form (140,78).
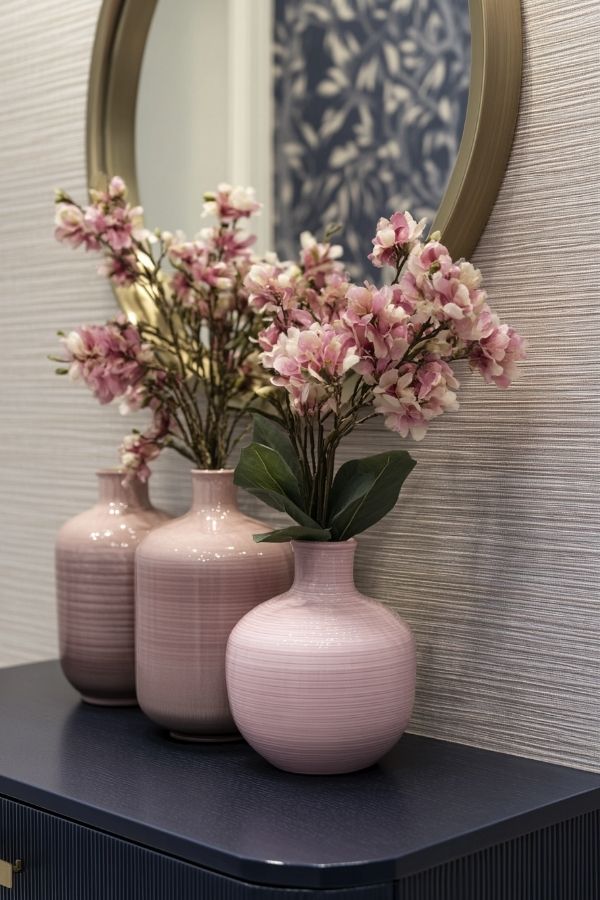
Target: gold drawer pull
(7,870)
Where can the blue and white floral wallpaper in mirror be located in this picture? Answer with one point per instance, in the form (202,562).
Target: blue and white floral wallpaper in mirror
(370,101)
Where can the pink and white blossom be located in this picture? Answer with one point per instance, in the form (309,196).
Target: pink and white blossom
(118,226)
(231,203)
(122,270)
(273,285)
(228,244)
(116,188)
(380,326)
(496,355)
(197,272)
(319,261)
(110,359)
(71,227)
(394,238)
(309,363)
(107,222)
(137,450)
(411,396)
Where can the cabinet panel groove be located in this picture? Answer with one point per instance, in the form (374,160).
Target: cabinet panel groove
(560,862)
(67,861)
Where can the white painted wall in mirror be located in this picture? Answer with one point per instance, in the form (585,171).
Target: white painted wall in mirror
(492,552)
(204,109)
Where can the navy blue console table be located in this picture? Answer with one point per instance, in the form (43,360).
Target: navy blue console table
(101,805)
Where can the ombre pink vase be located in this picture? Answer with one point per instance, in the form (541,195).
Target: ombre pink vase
(321,679)
(196,577)
(94,564)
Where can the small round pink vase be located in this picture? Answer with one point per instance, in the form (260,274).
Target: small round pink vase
(94,564)
(321,679)
(196,577)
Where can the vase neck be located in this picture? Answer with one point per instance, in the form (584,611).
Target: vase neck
(323,567)
(111,490)
(213,489)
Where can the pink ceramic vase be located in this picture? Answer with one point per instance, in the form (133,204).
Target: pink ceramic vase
(196,577)
(95,590)
(321,679)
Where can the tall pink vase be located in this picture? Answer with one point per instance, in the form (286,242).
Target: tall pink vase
(196,577)
(321,679)
(95,590)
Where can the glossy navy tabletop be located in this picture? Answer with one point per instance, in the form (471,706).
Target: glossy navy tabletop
(224,808)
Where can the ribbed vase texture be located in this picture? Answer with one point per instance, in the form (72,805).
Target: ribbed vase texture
(321,679)
(196,577)
(95,559)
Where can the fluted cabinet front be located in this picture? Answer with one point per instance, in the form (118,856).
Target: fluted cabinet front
(63,860)
(196,577)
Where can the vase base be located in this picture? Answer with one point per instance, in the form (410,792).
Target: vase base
(205,738)
(109,701)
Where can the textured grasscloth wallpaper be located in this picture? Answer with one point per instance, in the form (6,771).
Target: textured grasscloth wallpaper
(492,553)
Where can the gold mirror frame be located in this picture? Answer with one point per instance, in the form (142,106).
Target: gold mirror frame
(491,116)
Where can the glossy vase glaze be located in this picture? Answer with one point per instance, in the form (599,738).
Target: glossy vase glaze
(321,679)
(95,554)
(196,577)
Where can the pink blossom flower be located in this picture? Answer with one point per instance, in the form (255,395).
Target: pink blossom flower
(379,323)
(328,303)
(197,274)
(394,398)
(273,285)
(409,397)
(117,225)
(137,450)
(134,398)
(109,358)
(424,259)
(268,337)
(121,270)
(150,392)
(435,386)
(496,355)
(71,227)
(456,287)
(228,244)
(307,361)
(277,288)
(231,203)
(394,238)
(319,261)
(320,350)
(116,188)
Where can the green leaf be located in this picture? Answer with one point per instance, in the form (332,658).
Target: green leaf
(294,533)
(271,435)
(365,490)
(263,472)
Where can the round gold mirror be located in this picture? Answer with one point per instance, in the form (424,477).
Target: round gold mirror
(439,78)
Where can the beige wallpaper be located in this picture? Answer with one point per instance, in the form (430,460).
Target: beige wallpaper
(492,553)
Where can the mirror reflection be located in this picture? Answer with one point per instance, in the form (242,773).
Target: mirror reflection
(333,111)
